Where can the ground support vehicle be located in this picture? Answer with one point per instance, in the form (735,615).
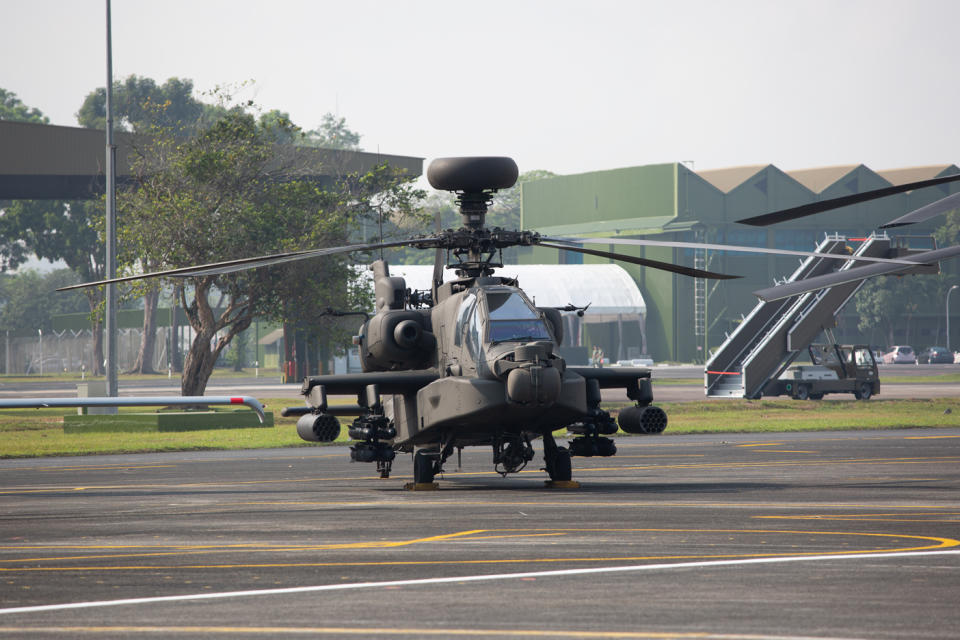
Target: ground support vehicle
(836,369)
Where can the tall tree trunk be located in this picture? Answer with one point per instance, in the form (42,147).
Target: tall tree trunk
(148,340)
(94,298)
(176,356)
(206,347)
(198,365)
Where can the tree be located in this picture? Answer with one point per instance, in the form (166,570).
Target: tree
(11,108)
(228,193)
(889,303)
(333,133)
(28,300)
(141,106)
(59,230)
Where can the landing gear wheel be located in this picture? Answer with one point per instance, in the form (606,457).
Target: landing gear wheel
(864,391)
(816,396)
(803,392)
(559,467)
(423,468)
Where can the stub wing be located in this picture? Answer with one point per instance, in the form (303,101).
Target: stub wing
(390,382)
(627,378)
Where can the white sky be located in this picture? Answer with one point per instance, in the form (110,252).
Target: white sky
(559,85)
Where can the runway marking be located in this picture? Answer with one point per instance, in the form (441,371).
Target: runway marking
(928,437)
(454,475)
(869,517)
(784,451)
(118,467)
(463,536)
(417,632)
(186,550)
(473,579)
(761,444)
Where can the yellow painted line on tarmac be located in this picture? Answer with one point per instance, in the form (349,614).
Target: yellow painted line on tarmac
(939,543)
(761,444)
(209,549)
(784,451)
(780,463)
(581,503)
(185,485)
(451,475)
(524,535)
(416,632)
(928,437)
(871,517)
(118,467)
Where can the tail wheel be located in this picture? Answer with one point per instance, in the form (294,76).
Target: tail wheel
(559,467)
(423,468)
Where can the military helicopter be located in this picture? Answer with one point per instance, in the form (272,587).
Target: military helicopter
(473,361)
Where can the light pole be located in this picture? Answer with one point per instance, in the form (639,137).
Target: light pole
(949,291)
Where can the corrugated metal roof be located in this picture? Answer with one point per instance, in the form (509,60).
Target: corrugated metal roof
(729,179)
(914,174)
(820,178)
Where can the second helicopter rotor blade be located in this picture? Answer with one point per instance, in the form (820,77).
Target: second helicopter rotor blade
(925,213)
(845,276)
(242,264)
(645,262)
(725,247)
(835,203)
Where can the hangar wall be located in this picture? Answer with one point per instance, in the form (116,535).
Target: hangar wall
(672,202)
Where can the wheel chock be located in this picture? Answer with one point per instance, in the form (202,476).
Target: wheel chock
(561,484)
(421,486)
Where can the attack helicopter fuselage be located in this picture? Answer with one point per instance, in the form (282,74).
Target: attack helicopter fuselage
(478,367)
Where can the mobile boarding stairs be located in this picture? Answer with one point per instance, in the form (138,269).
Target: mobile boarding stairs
(776,332)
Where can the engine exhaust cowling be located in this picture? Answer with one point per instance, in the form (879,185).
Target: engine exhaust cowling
(318,427)
(393,340)
(643,420)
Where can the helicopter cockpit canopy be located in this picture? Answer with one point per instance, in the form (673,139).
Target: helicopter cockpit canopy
(490,317)
(512,319)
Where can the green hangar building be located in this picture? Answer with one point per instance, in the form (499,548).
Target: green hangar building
(687,317)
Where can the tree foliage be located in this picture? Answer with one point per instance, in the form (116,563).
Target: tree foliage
(333,133)
(139,104)
(28,300)
(230,193)
(11,108)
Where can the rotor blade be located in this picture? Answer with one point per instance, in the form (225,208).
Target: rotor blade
(725,247)
(834,203)
(853,274)
(241,264)
(925,213)
(645,262)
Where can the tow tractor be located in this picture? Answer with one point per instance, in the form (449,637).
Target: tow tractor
(835,368)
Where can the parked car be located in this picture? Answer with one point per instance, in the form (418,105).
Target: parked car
(634,362)
(935,355)
(900,354)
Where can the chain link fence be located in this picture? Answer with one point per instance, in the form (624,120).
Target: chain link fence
(72,351)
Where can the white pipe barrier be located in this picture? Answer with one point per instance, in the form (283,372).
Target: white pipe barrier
(39,403)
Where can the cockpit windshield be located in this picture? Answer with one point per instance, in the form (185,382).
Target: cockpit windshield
(512,319)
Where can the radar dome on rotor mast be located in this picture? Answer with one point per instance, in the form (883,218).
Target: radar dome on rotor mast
(473,179)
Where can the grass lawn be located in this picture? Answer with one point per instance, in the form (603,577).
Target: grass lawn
(39,432)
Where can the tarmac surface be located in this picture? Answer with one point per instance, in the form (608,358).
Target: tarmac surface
(800,535)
